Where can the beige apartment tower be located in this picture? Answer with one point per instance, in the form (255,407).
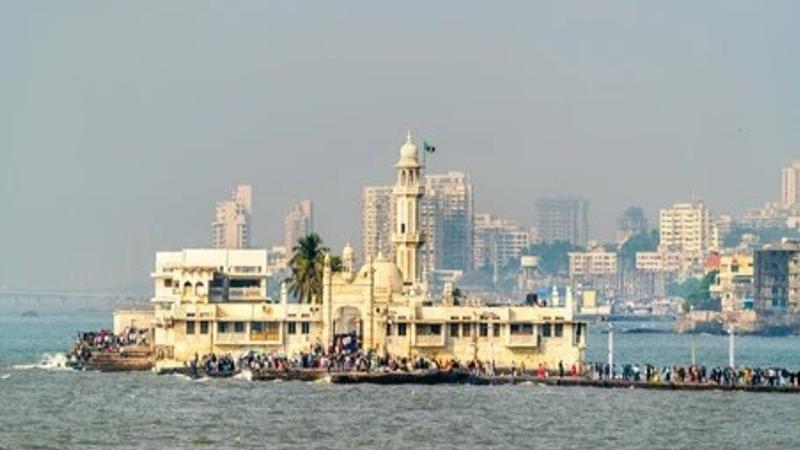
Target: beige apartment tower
(790,175)
(231,226)
(298,223)
(377,217)
(687,228)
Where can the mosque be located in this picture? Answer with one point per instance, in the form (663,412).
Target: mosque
(214,300)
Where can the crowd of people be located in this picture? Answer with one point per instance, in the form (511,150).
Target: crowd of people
(696,374)
(345,356)
(104,341)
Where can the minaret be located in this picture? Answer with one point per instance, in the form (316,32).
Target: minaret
(407,194)
(348,259)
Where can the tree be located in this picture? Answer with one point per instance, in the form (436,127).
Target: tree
(553,257)
(336,264)
(308,259)
(642,242)
(457,295)
(696,293)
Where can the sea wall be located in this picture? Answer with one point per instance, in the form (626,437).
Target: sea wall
(743,322)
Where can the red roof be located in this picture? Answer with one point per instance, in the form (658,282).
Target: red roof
(712,261)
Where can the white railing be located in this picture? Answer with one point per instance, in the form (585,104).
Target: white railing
(245,293)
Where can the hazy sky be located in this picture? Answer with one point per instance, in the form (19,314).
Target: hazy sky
(121,123)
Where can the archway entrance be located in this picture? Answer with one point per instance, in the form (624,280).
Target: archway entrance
(347,328)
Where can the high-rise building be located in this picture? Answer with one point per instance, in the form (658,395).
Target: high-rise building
(563,219)
(630,223)
(790,185)
(446,214)
(231,225)
(377,217)
(687,228)
(497,241)
(298,223)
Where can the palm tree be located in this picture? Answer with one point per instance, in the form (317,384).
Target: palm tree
(306,264)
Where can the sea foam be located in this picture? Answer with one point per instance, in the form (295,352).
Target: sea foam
(47,362)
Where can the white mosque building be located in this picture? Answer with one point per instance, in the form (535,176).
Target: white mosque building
(214,300)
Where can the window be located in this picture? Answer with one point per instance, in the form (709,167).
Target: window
(466,329)
(190,327)
(291,327)
(496,329)
(483,330)
(388,329)
(204,327)
(238,327)
(453,330)
(546,330)
(168,282)
(401,329)
(521,329)
(433,329)
(559,330)
(265,331)
(305,327)
(223,327)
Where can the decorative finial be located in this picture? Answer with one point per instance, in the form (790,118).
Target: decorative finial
(408,136)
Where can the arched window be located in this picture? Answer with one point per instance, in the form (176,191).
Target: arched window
(403,179)
(199,289)
(187,288)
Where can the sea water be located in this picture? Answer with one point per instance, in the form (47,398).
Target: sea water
(44,405)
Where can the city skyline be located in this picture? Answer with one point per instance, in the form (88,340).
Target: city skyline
(620,105)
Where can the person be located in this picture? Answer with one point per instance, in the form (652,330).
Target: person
(561,369)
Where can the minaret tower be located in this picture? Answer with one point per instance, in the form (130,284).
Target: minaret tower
(407,193)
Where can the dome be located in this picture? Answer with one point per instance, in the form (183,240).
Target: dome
(387,274)
(409,149)
(408,153)
(348,251)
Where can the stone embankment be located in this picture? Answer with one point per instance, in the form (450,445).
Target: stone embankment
(743,322)
(433,377)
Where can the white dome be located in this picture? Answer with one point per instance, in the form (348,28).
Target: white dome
(409,149)
(408,154)
(348,251)
(387,274)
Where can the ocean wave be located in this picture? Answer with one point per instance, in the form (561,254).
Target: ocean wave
(182,376)
(47,362)
(5,377)
(244,375)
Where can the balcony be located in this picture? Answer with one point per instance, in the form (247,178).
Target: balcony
(429,340)
(245,293)
(407,237)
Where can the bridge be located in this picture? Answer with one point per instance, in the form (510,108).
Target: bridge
(45,298)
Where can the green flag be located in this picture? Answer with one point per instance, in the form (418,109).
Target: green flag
(428,147)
